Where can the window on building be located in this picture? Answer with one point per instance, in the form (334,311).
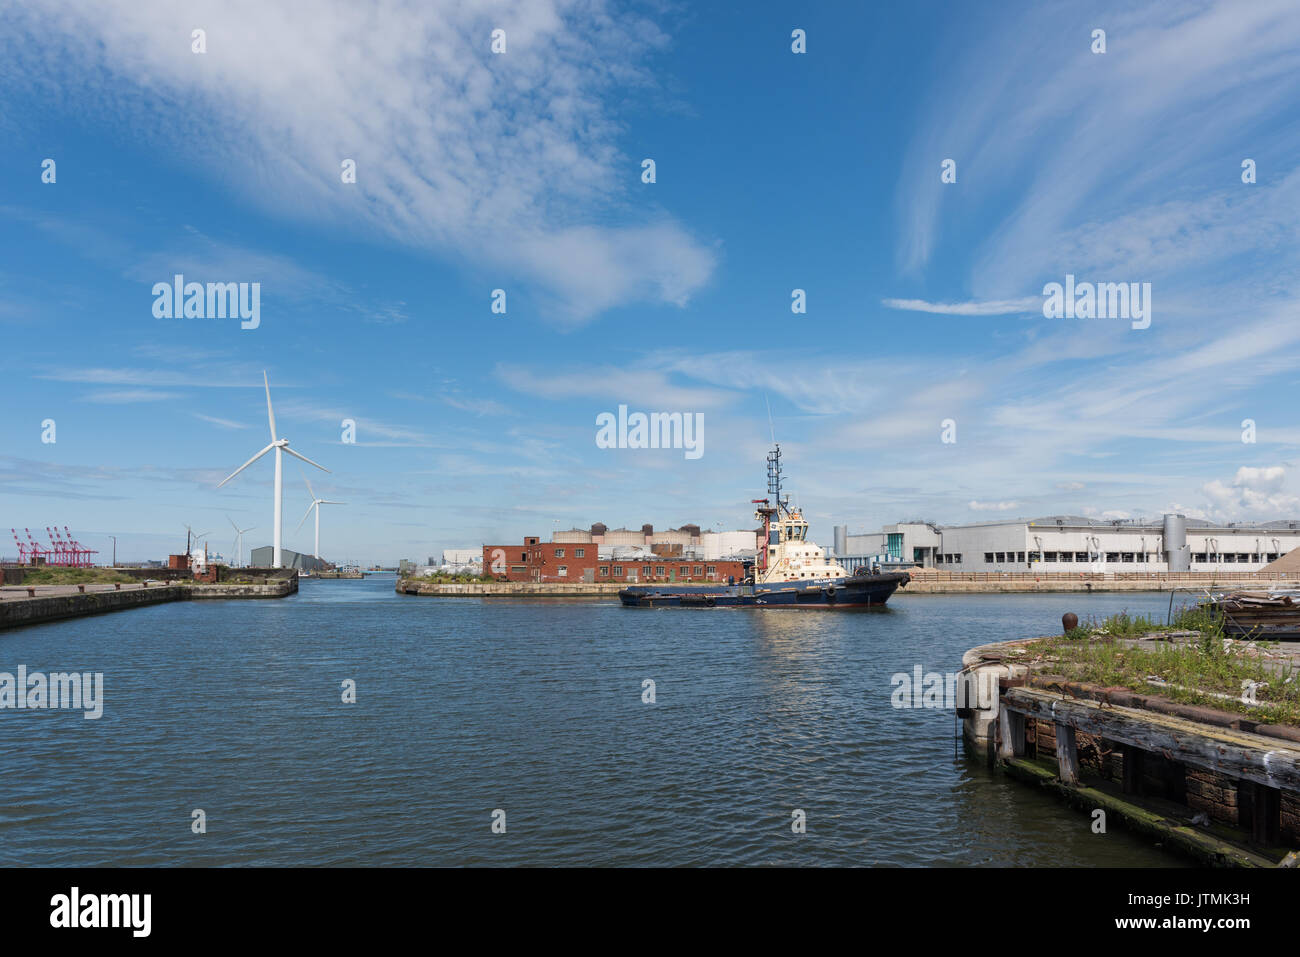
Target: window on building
(1112,556)
(957,558)
(1020,556)
(559,553)
(1200,557)
(645,570)
(523,556)
(1002,557)
(518,569)
(1080,556)
(699,569)
(579,553)
(988,558)
(1065,556)
(1126,557)
(1242,557)
(1272,556)
(562,571)
(1049,556)
(659,569)
(604,571)
(618,571)
(684,571)
(1230,557)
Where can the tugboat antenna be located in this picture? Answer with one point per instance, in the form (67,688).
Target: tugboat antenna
(774,474)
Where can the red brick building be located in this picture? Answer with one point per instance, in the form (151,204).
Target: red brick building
(538,561)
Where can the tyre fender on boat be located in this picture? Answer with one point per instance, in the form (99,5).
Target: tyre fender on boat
(829,591)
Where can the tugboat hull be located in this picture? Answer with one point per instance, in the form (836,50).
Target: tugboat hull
(858,591)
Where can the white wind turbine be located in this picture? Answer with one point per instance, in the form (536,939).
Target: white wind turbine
(316,503)
(280,445)
(239,540)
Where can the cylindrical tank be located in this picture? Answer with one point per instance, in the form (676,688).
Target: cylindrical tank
(841,539)
(1175,534)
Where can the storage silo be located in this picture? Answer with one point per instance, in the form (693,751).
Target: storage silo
(1177,557)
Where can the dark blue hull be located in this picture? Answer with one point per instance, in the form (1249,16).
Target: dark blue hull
(859,591)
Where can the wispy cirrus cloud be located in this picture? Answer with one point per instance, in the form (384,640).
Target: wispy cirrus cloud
(127,396)
(507,163)
(992,308)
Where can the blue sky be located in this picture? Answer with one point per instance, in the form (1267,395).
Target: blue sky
(522,171)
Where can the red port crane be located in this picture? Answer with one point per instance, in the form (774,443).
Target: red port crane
(35,554)
(81,554)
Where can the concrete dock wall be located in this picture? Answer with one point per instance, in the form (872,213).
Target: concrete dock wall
(408,586)
(1012,586)
(33,611)
(19,610)
(272,589)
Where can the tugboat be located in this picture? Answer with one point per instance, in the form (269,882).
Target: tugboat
(790,572)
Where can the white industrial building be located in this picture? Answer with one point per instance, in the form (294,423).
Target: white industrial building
(703,545)
(1071,543)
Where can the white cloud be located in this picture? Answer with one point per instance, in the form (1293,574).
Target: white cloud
(218,421)
(989,308)
(991,506)
(507,162)
(127,396)
(1254,492)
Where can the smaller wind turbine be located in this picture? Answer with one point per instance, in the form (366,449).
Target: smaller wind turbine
(191,534)
(239,540)
(316,503)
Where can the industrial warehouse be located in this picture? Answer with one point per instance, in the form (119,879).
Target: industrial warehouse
(600,554)
(1072,543)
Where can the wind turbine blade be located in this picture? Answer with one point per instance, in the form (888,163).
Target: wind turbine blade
(309,488)
(304,518)
(270,413)
(232,523)
(305,459)
(246,465)
(326,501)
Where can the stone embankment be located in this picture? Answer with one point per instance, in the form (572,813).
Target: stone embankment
(992,584)
(35,604)
(411,586)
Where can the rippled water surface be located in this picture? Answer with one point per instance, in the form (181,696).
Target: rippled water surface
(535,708)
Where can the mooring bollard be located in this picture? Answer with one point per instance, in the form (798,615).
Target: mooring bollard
(1069,622)
(117,586)
(81,589)
(31,593)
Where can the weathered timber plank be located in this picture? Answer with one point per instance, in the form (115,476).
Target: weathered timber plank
(1067,754)
(1011,730)
(1235,753)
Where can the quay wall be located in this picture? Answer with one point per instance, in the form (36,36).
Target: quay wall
(19,611)
(33,611)
(1197,802)
(407,586)
(922,585)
